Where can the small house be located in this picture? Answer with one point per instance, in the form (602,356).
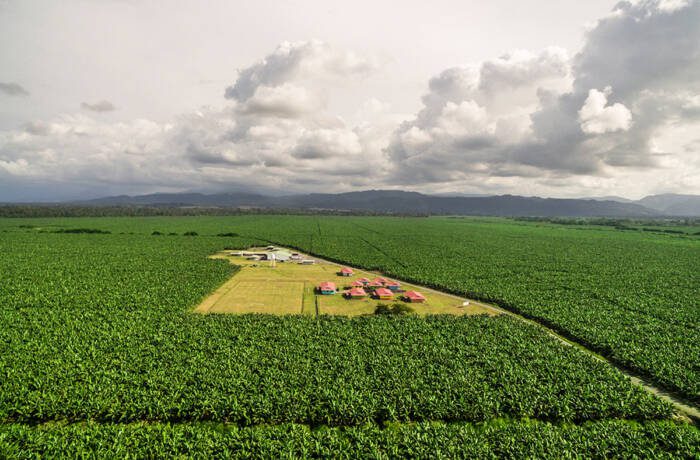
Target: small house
(375,284)
(364,281)
(346,271)
(383,294)
(357,284)
(356,293)
(393,285)
(414,297)
(327,288)
(380,280)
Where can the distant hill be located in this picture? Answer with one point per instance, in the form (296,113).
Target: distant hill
(610,198)
(673,204)
(392,201)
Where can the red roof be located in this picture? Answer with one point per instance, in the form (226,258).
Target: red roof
(375,284)
(327,286)
(392,283)
(383,292)
(363,280)
(357,292)
(357,284)
(413,295)
(346,270)
(379,280)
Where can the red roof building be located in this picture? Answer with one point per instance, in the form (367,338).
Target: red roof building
(357,283)
(415,297)
(356,293)
(364,280)
(375,284)
(380,280)
(393,285)
(384,294)
(327,287)
(345,271)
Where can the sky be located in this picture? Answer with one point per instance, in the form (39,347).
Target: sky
(551,98)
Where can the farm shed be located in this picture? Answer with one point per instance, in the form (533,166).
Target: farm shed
(383,294)
(356,293)
(307,262)
(327,288)
(282,256)
(415,297)
(393,285)
(346,271)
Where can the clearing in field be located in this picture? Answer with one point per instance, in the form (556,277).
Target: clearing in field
(290,288)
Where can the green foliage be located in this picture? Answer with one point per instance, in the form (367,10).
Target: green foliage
(98,329)
(382,309)
(395,309)
(82,230)
(190,233)
(498,439)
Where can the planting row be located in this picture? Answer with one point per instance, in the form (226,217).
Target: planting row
(500,439)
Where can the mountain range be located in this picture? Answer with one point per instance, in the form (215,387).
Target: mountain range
(402,202)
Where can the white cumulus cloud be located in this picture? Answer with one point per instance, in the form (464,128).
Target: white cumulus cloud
(597,117)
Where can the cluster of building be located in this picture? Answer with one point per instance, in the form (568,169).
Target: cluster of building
(380,288)
(272,253)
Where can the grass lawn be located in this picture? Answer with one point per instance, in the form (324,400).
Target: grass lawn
(289,288)
(280,297)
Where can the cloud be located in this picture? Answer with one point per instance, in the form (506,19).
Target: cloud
(101,106)
(274,133)
(37,128)
(278,130)
(619,116)
(286,100)
(299,61)
(598,118)
(327,144)
(13,89)
(474,117)
(78,150)
(547,117)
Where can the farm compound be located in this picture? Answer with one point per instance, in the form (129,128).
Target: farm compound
(278,281)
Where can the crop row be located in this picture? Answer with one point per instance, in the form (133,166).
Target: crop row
(500,439)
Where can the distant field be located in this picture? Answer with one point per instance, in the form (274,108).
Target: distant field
(101,349)
(289,288)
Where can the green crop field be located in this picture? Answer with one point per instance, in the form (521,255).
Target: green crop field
(101,353)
